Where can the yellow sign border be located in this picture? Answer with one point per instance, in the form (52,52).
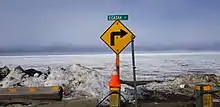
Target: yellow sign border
(123,26)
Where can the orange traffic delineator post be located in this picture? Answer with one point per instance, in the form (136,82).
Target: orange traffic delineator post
(115,85)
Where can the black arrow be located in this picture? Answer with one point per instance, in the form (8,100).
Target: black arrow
(122,33)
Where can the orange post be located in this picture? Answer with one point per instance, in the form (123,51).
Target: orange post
(115,77)
(115,85)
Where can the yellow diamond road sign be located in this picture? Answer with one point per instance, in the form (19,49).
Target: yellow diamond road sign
(117,36)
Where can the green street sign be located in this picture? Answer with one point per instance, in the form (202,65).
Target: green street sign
(120,17)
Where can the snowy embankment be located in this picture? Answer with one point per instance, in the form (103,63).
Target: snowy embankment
(77,81)
(80,81)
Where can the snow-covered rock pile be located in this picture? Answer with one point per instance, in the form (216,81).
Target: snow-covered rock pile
(79,80)
(186,81)
(182,85)
(17,78)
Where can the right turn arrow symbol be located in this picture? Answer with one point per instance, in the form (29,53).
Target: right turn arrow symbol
(121,33)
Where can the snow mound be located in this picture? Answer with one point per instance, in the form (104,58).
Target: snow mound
(79,80)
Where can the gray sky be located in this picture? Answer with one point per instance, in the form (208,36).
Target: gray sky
(81,22)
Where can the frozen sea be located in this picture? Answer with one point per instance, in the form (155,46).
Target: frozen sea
(149,65)
(94,70)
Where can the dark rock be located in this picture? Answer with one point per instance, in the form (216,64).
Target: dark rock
(48,70)
(47,73)
(184,64)
(99,68)
(63,69)
(16,85)
(11,78)
(31,72)
(19,68)
(4,72)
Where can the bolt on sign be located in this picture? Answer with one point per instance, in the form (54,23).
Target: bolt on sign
(117,36)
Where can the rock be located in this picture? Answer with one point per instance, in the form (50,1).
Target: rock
(48,70)
(11,78)
(4,72)
(63,69)
(17,85)
(47,73)
(18,69)
(184,64)
(31,72)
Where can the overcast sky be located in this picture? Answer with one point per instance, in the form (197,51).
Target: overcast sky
(81,22)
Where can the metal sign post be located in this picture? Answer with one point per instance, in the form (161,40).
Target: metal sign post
(134,72)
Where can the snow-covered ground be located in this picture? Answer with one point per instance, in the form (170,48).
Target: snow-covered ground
(91,73)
